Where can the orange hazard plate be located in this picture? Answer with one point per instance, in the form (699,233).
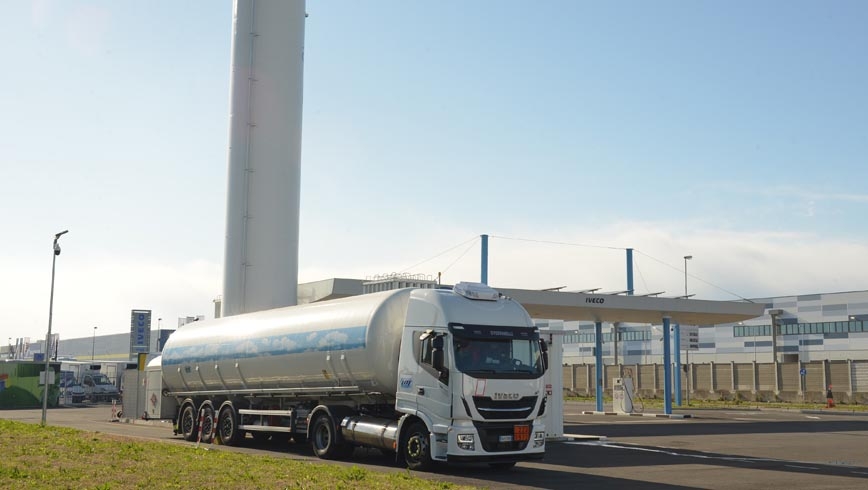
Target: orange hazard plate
(521,432)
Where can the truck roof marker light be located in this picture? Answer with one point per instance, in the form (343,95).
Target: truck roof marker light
(476,290)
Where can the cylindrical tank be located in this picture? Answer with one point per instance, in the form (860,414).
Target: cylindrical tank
(262,203)
(341,343)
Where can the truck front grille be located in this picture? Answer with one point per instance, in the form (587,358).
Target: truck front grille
(504,409)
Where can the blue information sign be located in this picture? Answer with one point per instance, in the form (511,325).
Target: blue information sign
(803,372)
(140,331)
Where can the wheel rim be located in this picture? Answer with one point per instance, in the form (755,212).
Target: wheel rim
(207,425)
(322,435)
(226,426)
(187,422)
(417,447)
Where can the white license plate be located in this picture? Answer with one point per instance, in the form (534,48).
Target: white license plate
(504,438)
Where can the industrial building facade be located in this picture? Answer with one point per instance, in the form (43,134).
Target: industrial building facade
(812,327)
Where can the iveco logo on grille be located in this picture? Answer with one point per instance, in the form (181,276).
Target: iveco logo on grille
(506,396)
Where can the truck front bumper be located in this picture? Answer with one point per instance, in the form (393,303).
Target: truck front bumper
(495,458)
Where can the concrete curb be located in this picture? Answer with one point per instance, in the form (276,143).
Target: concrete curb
(579,438)
(657,415)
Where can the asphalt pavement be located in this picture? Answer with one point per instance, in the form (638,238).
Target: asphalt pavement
(715,449)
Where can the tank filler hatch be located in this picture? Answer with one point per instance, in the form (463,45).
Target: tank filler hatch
(475,290)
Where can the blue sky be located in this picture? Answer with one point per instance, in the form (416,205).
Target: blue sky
(736,132)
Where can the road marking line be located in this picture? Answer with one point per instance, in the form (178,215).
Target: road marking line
(801,467)
(670,453)
(812,417)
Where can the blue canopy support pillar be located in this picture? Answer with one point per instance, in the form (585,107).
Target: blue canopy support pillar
(677,364)
(667,369)
(598,359)
(484,260)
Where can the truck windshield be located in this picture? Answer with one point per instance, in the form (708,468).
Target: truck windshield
(497,352)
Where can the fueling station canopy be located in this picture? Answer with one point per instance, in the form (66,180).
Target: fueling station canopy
(631,309)
(615,308)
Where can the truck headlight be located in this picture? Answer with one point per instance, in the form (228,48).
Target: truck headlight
(466,442)
(539,439)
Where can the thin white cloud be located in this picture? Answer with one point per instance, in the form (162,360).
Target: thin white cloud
(101,292)
(786,191)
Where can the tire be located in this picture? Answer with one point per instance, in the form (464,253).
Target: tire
(324,439)
(188,424)
(502,466)
(207,424)
(227,427)
(417,447)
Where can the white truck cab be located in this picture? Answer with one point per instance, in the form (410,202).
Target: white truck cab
(471,368)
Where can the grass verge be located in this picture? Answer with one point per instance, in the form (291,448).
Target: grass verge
(58,457)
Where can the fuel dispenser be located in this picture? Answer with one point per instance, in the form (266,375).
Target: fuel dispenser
(622,395)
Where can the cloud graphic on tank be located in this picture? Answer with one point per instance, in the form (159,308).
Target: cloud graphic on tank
(285,344)
(247,347)
(333,339)
(312,336)
(211,349)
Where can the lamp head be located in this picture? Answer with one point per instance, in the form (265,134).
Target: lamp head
(56,248)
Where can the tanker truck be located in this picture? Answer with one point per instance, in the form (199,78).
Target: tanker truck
(431,375)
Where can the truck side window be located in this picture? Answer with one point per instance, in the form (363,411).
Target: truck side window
(426,352)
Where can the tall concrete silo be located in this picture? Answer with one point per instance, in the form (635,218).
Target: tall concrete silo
(262,213)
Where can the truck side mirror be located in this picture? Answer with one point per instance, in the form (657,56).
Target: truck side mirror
(437,358)
(545,354)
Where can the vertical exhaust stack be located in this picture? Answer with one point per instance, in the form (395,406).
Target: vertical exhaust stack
(262,209)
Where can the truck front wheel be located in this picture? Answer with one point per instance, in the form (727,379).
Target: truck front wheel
(417,448)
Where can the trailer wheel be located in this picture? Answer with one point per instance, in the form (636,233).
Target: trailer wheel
(324,440)
(188,423)
(417,447)
(207,424)
(227,427)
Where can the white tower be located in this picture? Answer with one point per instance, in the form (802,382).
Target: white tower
(261,262)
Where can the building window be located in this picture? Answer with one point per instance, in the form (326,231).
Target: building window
(752,330)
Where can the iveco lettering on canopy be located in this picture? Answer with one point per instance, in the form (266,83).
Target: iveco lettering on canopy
(595,300)
(430,374)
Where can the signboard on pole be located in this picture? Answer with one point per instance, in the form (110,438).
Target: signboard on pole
(140,331)
(689,337)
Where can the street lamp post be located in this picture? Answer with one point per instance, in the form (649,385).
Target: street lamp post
(686,351)
(55,252)
(93,344)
